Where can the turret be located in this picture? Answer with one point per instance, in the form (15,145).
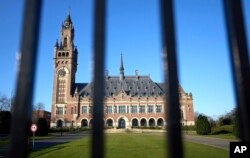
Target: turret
(121,69)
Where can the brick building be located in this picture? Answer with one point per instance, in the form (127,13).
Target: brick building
(36,114)
(129,100)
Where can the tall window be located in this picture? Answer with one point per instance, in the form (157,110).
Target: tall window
(65,42)
(150,108)
(142,109)
(59,110)
(109,109)
(61,88)
(84,109)
(158,108)
(72,110)
(133,109)
(122,109)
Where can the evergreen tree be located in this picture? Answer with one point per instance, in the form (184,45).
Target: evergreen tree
(202,125)
(5,119)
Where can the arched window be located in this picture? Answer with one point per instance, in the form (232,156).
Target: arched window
(160,122)
(143,122)
(134,123)
(59,54)
(151,122)
(109,123)
(84,123)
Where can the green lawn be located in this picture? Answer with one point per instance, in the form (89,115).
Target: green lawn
(129,146)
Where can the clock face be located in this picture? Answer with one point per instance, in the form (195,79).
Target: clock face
(62,73)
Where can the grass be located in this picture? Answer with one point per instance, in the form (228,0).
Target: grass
(41,137)
(128,146)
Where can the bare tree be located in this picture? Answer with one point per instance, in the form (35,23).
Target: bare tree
(39,106)
(5,103)
(36,111)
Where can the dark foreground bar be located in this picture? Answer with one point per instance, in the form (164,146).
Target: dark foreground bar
(25,82)
(240,63)
(97,150)
(171,80)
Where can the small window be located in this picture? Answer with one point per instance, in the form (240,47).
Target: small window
(158,108)
(142,109)
(150,108)
(133,109)
(59,54)
(84,109)
(122,109)
(109,109)
(59,111)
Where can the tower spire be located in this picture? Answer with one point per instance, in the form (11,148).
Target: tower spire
(121,69)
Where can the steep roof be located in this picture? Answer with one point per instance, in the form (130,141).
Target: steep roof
(134,86)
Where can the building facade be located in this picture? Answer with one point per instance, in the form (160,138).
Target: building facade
(36,114)
(130,101)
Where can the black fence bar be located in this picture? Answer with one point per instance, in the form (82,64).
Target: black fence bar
(171,81)
(97,149)
(22,108)
(240,63)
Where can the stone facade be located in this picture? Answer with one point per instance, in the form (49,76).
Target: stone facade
(130,101)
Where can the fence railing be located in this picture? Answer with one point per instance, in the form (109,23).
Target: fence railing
(26,76)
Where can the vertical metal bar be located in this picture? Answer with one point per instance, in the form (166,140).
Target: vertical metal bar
(98,95)
(239,62)
(21,116)
(171,80)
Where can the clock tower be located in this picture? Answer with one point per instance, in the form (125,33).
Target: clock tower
(65,66)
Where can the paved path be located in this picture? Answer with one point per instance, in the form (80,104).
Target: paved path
(67,137)
(215,142)
(58,139)
(45,143)
(210,141)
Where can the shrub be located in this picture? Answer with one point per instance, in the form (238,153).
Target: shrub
(42,127)
(202,125)
(222,129)
(189,128)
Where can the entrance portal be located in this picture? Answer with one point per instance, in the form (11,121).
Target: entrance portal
(121,123)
